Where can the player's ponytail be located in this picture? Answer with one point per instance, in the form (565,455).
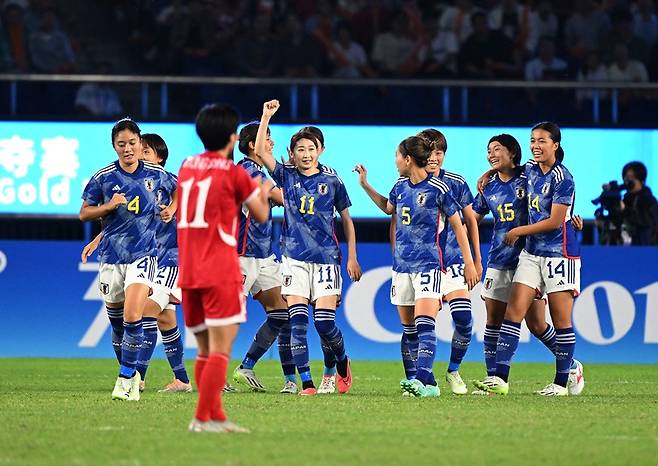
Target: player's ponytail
(556,136)
(418,148)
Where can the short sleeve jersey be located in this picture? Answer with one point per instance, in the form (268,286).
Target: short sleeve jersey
(129,230)
(421,210)
(165,232)
(254,239)
(508,203)
(545,189)
(211,190)
(461,193)
(310,207)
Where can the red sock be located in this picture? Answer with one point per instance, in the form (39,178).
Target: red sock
(210,389)
(199,365)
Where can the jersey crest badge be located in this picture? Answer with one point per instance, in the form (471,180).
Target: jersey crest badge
(323,188)
(488,282)
(149,184)
(520,193)
(421,198)
(105,288)
(287,280)
(545,188)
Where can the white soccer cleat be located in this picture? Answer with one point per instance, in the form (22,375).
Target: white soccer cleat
(576,382)
(457,384)
(177,386)
(289,387)
(248,377)
(135,383)
(328,385)
(218,427)
(553,390)
(121,389)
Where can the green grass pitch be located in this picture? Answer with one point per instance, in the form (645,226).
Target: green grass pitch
(59,411)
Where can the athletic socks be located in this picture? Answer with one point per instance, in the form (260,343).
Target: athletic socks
(265,336)
(211,384)
(299,342)
(460,309)
(565,343)
(491,333)
(409,350)
(199,367)
(133,336)
(425,326)
(547,337)
(329,358)
(325,324)
(285,353)
(116,321)
(173,347)
(150,327)
(508,341)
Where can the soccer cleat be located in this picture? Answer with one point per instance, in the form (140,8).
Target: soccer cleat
(142,385)
(456,383)
(177,386)
(553,390)
(481,393)
(311,391)
(135,383)
(404,392)
(228,388)
(289,387)
(345,383)
(328,385)
(121,389)
(230,427)
(414,386)
(493,384)
(248,377)
(219,427)
(576,382)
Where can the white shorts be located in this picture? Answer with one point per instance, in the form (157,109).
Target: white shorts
(309,280)
(259,274)
(548,274)
(497,284)
(166,292)
(453,279)
(113,279)
(406,288)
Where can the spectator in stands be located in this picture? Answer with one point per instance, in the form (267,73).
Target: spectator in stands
(544,22)
(622,32)
(593,70)
(640,208)
(50,48)
(348,57)
(645,23)
(17,33)
(99,100)
(6,63)
(584,29)
(441,52)
(393,50)
(625,69)
(458,19)
(369,21)
(545,66)
(302,55)
(191,40)
(488,54)
(514,20)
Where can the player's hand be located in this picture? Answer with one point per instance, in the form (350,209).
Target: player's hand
(471,277)
(117,200)
(166,214)
(270,107)
(577,222)
(511,237)
(484,180)
(87,251)
(354,270)
(363,174)
(478,268)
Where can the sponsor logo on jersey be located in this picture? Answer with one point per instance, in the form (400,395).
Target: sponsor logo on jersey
(493,198)
(287,280)
(545,188)
(297,185)
(488,283)
(323,188)
(116,188)
(421,198)
(158,196)
(149,184)
(393,290)
(520,193)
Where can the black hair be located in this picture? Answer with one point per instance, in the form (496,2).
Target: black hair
(159,146)
(248,134)
(215,123)
(639,169)
(436,139)
(418,148)
(125,124)
(511,144)
(316,132)
(301,134)
(556,136)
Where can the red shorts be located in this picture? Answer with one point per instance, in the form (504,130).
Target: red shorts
(214,307)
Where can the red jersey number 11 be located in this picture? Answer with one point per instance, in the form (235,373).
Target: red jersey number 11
(186,187)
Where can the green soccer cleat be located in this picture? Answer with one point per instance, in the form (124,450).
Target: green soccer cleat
(457,384)
(431,391)
(248,377)
(492,384)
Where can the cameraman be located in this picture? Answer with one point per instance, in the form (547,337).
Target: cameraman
(639,207)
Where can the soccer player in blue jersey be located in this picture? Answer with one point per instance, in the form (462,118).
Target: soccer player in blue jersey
(123,195)
(421,204)
(549,262)
(453,287)
(313,194)
(262,275)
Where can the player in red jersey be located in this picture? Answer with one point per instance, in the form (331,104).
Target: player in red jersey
(211,190)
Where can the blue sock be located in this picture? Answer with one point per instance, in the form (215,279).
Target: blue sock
(460,309)
(298,339)
(173,347)
(265,337)
(425,326)
(116,321)
(565,344)
(150,326)
(508,341)
(285,353)
(491,333)
(133,336)
(329,358)
(409,350)
(325,324)
(547,337)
